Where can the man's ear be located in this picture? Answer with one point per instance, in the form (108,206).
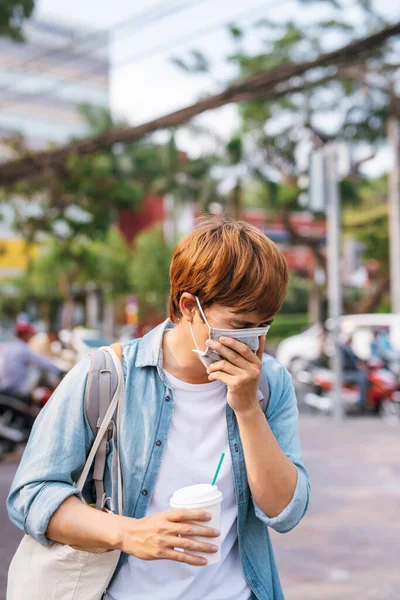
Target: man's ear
(188,306)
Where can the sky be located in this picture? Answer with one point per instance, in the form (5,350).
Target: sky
(150,85)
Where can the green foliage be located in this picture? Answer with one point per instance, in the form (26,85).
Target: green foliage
(149,271)
(285,325)
(187,179)
(274,133)
(234,149)
(236,32)
(297,295)
(13,13)
(277,128)
(104,261)
(80,201)
(108,262)
(196,62)
(370,225)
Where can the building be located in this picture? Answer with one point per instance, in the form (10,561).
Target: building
(43,82)
(44,79)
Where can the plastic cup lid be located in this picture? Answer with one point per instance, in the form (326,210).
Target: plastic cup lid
(202,493)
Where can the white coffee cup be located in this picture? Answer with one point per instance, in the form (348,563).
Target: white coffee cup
(207,496)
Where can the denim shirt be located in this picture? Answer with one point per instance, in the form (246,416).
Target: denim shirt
(61,439)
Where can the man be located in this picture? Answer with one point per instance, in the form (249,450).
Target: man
(17,360)
(354,371)
(180,412)
(48,344)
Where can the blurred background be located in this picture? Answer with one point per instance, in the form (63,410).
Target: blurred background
(291,123)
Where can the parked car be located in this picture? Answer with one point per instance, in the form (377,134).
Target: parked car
(297,350)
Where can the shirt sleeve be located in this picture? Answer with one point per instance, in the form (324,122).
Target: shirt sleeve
(283,423)
(54,457)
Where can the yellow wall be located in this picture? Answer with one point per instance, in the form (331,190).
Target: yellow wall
(13,256)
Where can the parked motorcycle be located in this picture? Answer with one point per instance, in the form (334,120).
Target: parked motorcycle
(18,414)
(10,438)
(383,394)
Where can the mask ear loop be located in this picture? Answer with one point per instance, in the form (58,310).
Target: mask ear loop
(194,339)
(202,313)
(191,328)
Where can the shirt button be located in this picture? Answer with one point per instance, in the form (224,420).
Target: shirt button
(158,443)
(144,492)
(167,398)
(255,583)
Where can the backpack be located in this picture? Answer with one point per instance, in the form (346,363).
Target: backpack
(101,386)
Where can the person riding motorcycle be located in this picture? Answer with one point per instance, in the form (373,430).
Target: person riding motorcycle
(354,371)
(17,360)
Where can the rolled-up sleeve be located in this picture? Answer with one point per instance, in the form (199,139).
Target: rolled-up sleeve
(283,421)
(54,457)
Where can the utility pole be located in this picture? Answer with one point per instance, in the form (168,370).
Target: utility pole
(394,212)
(335,300)
(324,196)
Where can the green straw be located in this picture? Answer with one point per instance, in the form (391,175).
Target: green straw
(218,468)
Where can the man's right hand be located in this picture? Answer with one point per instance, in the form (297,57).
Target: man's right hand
(156,537)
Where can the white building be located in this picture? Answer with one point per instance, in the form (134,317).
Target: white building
(43,81)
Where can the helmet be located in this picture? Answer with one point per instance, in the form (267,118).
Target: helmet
(23,328)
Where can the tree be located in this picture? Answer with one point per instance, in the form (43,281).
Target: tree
(75,205)
(104,261)
(272,84)
(149,271)
(369,224)
(13,13)
(188,180)
(275,131)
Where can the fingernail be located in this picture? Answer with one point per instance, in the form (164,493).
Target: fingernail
(216,532)
(204,561)
(214,548)
(223,339)
(208,515)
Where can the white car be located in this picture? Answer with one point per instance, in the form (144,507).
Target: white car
(297,350)
(82,341)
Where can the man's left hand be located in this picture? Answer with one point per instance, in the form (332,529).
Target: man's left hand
(240,371)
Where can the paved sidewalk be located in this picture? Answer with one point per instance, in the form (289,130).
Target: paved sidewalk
(347,546)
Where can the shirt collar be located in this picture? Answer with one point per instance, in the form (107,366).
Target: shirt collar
(150,346)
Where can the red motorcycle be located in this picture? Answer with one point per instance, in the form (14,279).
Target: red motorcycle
(383,394)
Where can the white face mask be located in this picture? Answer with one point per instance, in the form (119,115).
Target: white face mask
(250,337)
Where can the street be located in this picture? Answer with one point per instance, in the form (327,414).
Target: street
(345,548)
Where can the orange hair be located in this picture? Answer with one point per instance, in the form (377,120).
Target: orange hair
(229,262)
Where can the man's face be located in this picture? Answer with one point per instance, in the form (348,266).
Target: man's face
(223,317)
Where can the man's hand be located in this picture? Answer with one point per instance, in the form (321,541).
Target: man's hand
(240,372)
(156,537)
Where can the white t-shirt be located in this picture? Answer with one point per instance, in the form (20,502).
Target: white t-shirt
(197,437)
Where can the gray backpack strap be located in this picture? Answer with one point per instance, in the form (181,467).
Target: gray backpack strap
(101,387)
(264,391)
